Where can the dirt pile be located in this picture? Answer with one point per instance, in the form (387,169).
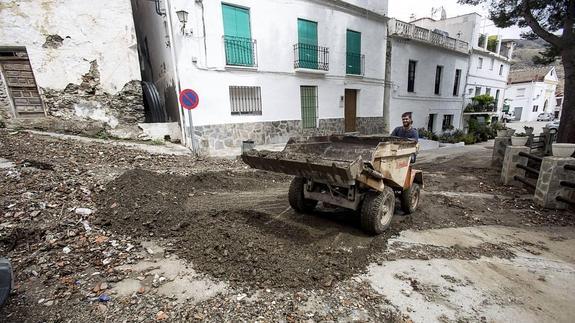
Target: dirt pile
(232,241)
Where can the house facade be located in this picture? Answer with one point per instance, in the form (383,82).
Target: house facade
(428,73)
(266,70)
(489,59)
(532,92)
(64,66)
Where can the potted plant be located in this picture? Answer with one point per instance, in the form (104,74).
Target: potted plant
(563,149)
(519,139)
(510,132)
(500,129)
(528,130)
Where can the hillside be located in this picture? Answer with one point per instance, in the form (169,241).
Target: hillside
(523,55)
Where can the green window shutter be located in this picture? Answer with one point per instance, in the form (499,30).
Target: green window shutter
(308,96)
(307,43)
(353,52)
(237,35)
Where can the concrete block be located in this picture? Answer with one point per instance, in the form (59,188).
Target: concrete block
(552,172)
(499,147)
(509,167)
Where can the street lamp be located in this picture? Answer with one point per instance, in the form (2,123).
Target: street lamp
(183,18)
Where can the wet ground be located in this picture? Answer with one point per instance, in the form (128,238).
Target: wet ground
(177,238)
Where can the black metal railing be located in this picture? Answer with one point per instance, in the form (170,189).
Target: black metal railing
(354,64)
(311,57)
(241,51)
(533,160)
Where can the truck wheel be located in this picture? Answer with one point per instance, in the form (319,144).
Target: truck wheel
(410,198)
(296,199)
(377,211)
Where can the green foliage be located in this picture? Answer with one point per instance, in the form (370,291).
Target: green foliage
(498,126)
(521,134)
(481,103)
(548,56)
(426,134)
(492,43)
(157,142)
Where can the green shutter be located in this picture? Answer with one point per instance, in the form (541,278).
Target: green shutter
(308,96)
(353,52)
(307,43)
(237,35)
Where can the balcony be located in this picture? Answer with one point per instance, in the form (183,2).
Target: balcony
(411,31)
(240,51)
(310,58)
(355,64)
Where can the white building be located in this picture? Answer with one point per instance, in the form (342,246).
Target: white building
(532,92)
(266,70)
(69,62)
(428,72)
(490,57)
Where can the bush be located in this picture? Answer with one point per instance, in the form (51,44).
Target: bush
(452,137)
(469,139)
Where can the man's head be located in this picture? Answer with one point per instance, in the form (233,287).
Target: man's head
(406,119)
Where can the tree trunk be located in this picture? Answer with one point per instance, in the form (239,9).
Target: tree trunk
(566,132)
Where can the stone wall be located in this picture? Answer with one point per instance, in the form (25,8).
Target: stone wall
(5,105)
(222,136)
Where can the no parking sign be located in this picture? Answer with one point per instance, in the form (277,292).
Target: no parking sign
(189,99)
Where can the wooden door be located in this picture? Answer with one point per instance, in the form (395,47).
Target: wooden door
(350,110)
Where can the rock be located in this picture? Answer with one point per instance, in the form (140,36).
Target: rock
(161,316)
(83,211)
(103,286)
(49,303)
(66,250)
(104,298)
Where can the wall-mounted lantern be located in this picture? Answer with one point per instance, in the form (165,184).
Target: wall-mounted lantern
(183,18)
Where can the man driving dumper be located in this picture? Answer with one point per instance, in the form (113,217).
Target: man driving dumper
(406,131)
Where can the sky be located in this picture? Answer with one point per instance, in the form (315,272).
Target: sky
(403,9)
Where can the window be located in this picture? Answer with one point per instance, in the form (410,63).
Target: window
(470,91)
(456,82)
(411,76)
(488,91)
(521,92)
(438,71)
(497,97)
(480,63)
(245,100)
(535,108)
(307,44)
(447,122)
(430,122)
(308,95)
(477,90)
(353,53)
(240,49)
(501,69)
(491,65)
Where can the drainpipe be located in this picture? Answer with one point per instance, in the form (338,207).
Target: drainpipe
(387,88)
(187,136)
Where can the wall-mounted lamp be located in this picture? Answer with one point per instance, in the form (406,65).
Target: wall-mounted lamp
(183,18)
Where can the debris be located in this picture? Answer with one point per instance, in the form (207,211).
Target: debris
(66,250)
(104,298)
(83,211)
(161,316)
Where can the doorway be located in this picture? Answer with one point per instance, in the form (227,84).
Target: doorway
(350,110)
(518,112)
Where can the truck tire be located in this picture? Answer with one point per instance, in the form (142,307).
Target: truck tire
(377,211)
(296,199)
(6,280)
(410,198)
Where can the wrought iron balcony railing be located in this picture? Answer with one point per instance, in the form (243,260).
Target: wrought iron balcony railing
(311,57)
(240,51)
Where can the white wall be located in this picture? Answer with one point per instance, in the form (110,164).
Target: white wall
(536,93)
(274,26)
(486,77)
(424,101)
(467,26)
(92,30)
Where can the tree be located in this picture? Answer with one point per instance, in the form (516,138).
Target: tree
(553,21)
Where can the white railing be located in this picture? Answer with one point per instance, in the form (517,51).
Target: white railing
(407,30)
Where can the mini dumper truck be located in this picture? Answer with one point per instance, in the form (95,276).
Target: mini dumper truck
(360,173)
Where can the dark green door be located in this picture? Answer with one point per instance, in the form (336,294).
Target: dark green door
(307,43)
(237,36)
(353,52)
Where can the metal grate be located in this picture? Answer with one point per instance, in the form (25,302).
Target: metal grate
(308,106)
(246,100)
(311,57)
